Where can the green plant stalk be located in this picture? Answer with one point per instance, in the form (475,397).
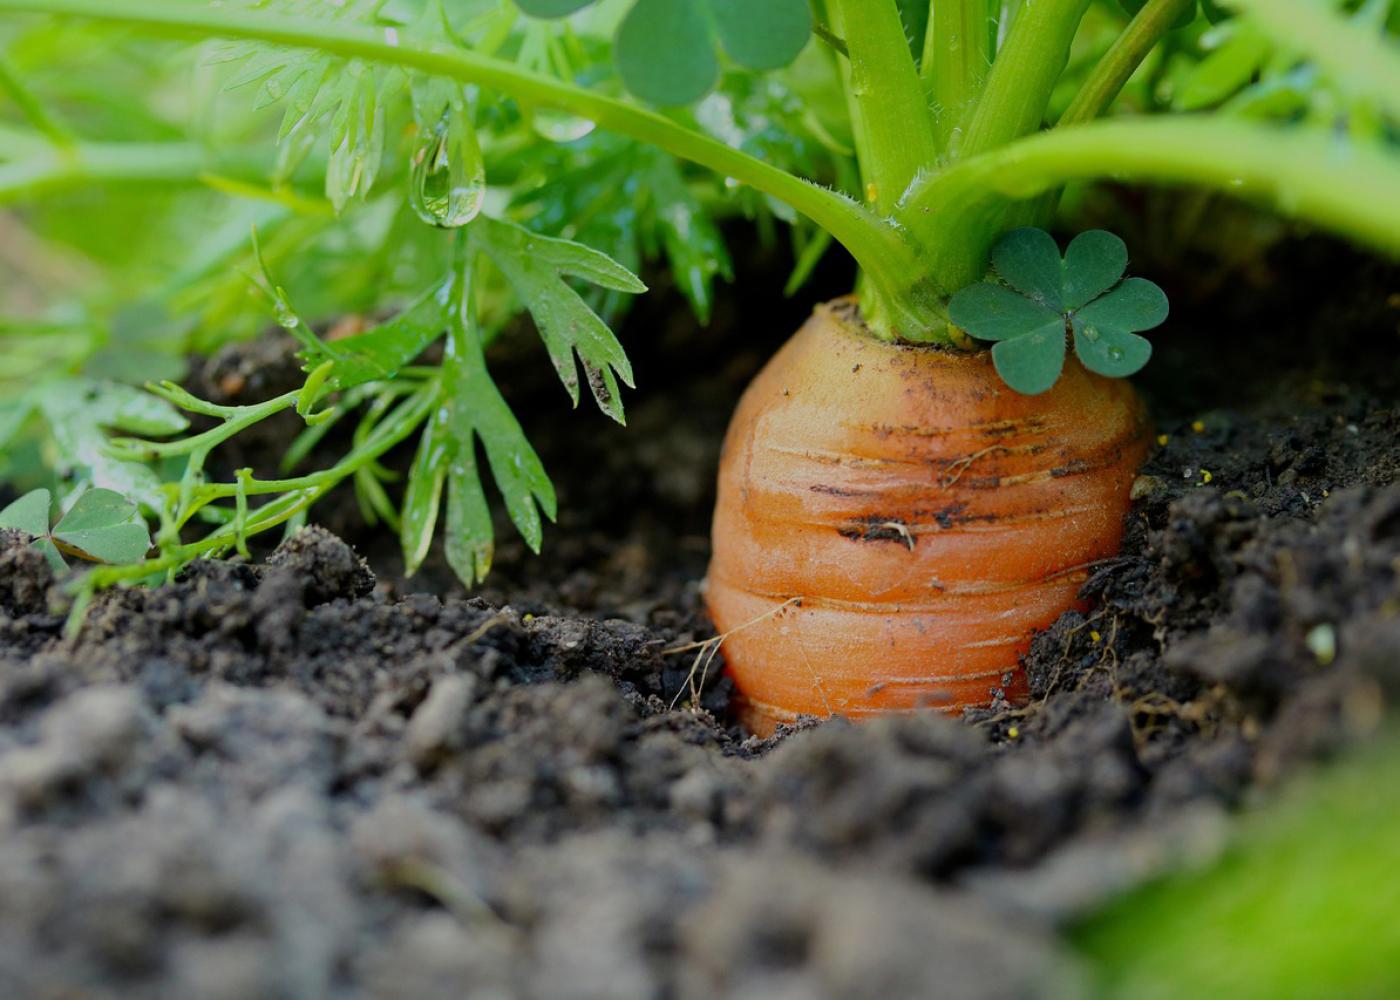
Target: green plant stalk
(1112,72)
(45,169)
(894,130)
(1352,189)
(303,492)
(1012,104)
(956,59)
(1018,89)
(1106,81)
(1355,56)
(888,260)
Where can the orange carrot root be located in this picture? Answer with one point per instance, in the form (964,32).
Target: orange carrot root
(923,519)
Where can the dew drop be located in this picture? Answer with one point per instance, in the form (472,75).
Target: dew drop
(1115,353)
(447,178)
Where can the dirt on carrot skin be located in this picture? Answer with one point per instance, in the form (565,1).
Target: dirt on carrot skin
(305,777)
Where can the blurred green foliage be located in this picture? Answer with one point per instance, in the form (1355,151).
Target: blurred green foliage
(1305,904)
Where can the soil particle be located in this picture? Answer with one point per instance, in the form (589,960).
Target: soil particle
(25,579)
(282,778)
(875,528)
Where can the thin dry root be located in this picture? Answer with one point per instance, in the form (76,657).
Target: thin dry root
(708,649)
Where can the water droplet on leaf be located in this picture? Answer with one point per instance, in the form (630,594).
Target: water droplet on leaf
(447,182)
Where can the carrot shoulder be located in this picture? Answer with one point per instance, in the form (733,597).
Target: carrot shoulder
(920,519)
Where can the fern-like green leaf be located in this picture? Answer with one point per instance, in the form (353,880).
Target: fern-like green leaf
(480,411)
(536,267)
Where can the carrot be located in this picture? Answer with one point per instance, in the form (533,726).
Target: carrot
(922,519)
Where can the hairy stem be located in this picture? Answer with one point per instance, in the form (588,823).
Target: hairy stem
(957,58)
(894,130)
(1306,173)
(1024,74)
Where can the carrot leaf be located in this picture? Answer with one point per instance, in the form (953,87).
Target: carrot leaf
(479,411)
(76,413)
(536,266)
(380,352)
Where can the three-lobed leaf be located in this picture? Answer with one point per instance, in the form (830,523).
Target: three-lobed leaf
(1094,262)
(1031,364)
(762,36)
(29,514)
(103,526)
(667,74)
(665,49)
(100,526)
(1046,294)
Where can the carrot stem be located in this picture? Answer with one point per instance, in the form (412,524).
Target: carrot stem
(957,57)
(1348,187)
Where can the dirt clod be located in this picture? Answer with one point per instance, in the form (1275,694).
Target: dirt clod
(285,778)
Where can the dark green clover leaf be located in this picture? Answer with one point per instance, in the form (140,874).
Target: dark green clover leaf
(663,52)
(665,49)
(1105,330)
(101,526)
(1044,295)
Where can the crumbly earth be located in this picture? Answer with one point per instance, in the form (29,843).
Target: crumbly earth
(308,778)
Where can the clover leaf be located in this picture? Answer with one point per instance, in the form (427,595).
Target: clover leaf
(1042,295)
(665,49)
(101,526)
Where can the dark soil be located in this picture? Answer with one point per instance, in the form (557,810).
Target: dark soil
(288,780)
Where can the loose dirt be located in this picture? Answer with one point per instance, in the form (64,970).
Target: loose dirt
(306,777)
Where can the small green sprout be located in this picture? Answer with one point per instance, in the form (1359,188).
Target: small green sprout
(101,526)
(1084,293)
